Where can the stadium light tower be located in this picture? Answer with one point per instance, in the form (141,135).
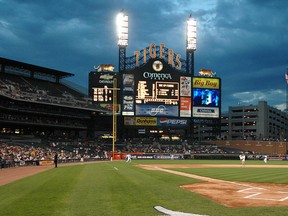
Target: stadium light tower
(190,44)
(122,33)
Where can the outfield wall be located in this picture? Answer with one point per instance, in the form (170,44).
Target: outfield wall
(269,147)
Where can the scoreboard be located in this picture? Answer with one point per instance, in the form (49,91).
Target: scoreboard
(103,94)
(156,91)
(101,89)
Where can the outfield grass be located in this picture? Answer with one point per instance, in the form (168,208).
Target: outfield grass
(119,188)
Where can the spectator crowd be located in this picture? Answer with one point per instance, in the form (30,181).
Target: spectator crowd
(18,154)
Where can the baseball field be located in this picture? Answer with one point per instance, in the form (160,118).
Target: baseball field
(147,187)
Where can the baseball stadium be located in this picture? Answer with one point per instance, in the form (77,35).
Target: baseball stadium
(130,145)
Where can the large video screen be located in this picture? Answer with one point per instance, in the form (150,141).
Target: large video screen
(206,97)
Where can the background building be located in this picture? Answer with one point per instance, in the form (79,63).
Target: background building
(254,122)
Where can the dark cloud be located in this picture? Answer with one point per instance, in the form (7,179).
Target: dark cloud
(244,41)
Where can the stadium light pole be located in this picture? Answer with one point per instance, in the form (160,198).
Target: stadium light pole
(190,44)
(190,49)
(122,34)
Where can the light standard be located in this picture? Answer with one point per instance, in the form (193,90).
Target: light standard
(122,33)
(190,44)
(190,49)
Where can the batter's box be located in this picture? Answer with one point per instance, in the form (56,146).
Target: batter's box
(231,194)
(265,194)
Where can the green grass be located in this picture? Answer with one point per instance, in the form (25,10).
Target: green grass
(119,188)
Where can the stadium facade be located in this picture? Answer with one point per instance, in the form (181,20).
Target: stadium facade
(34,101)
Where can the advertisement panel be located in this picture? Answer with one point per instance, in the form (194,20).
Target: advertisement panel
(157,110)
(128,105)
(109,107)
(130,121)
(185,86)
(146,121)
(173,122)
(128,95)
(101,79)
(140,121)
(209,83)
(128,83)
(185,107)
(206,112)
(158,156)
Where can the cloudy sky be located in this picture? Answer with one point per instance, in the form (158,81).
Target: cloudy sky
(244,41)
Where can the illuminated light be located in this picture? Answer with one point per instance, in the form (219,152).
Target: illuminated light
(191,34)
(122,29)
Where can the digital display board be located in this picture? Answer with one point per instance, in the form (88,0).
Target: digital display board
(206,97)
(158,92)
(102,94)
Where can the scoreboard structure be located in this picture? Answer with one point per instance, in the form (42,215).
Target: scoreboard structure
(101,90)
(157,95)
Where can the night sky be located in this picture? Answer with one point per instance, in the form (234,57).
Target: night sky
(244,41)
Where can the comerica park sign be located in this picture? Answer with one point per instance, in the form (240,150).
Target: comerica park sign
(152,53)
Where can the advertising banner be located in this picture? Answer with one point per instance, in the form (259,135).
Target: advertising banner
(173,122)
(210,83)
(109,107)
(128,95)
(206,112)
(146,121)
(156,110)
(158,156)
(140,121)
(131,121)
(185,107)
(185,86)
(128,83)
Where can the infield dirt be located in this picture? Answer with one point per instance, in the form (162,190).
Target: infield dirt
(228,193)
